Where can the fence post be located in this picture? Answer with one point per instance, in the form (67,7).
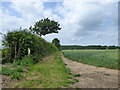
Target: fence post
(28,51)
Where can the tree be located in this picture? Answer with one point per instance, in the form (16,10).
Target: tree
(45,26)
(56,42)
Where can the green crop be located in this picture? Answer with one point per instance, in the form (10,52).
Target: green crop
(100,58)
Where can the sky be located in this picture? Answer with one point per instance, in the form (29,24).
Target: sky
(82,22)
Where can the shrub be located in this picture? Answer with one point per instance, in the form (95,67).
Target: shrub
(36,58)
(16,63)
(27,61)
(18,69)
(16,75)
(6,71)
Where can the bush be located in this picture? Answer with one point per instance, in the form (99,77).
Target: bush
(36,58)
(27,61)
(18,69)
(16,75)
(16,63)
(6,71)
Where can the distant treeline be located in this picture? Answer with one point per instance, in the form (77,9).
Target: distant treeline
(72,47)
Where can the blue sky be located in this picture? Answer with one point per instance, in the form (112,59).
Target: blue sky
(82,23)
(6,6)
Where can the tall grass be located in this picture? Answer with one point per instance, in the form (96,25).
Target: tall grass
(100,58)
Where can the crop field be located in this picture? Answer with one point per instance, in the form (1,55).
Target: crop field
(100,58)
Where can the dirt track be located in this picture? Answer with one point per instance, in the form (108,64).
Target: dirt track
(91,76)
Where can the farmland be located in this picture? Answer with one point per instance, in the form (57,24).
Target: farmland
(99,58)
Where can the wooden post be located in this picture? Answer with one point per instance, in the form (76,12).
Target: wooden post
(28,51)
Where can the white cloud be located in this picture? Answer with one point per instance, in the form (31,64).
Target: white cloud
(86,19)
(81,22)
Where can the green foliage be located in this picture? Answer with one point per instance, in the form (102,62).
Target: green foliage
(16,75)
(26,61)
(36,58)
(6,71)
(16,63)
(69,71)
(70,82)
(100,58)
(76,75)
(76,80)
(16,45)
(17,86)
(56,42)
(45,26)
(78,88)
(113,47)
(70,77)
(50,73)
(18,69)
(5,53)
(77,47)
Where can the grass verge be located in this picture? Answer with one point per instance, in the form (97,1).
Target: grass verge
(49,73)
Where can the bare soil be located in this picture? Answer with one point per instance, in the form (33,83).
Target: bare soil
(91,76)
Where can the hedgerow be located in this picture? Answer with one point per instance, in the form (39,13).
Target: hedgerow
(17,42)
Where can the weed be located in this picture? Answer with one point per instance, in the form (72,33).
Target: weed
(65,64)
(76,80)
(70,82)
(17,86)
(69,77)
(76,75)
(6,71)
(18,69)
(16,75)
(69,71)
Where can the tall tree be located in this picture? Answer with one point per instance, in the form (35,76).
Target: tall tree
(56,42)
(45,26)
